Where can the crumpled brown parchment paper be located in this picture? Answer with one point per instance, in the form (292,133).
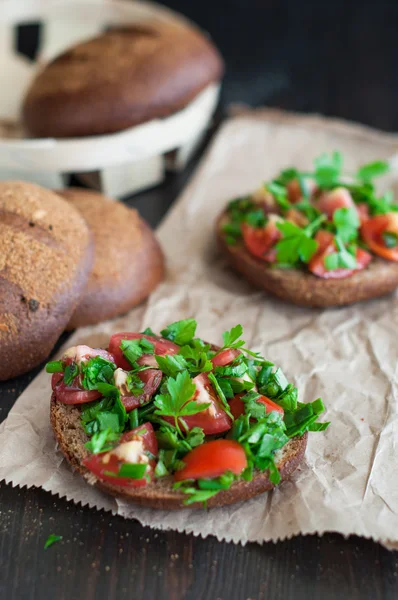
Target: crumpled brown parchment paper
(348,356)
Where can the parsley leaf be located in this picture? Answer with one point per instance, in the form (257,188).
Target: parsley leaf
(178,402)
(180,332)
(220,394)
(371,170)
(52,539)
(260,441)
(71,371)
(171,364)
(279,192)
(194,494)
(253,408)
(342,259)
(295,245)
(148,331)
(55,366)
(102,441)
(256,218)
(230,337)
(134,349)
(328,169)
(304,418)
(97,370)
(347,223)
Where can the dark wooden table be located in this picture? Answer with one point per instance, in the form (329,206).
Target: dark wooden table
(335,58)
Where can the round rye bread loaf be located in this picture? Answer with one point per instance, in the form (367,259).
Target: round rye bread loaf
(128,261)
(65,421)
(121,78)
(45,258)
(302,287)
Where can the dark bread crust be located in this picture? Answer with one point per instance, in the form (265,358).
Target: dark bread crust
(303,288)
(65,421)
(119,79)
(128,263)
(46,254)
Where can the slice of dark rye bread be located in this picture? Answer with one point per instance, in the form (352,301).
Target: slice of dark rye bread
(46,254)
(121,78)
(65,421)
(302,287)
(128,262)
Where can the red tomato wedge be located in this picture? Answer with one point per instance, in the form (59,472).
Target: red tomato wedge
(162,347)
(329,202)
(225,357)
(237,406)
(105,464)
(212,420)
(213,459)
(71,394)
(75,394)
(372,234)
(146,433)
(259,240)
(327,246)
(151,379)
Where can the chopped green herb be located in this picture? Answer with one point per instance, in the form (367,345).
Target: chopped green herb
(56,366)
(132,471)
(328,169)
(171,364)
(96,370)
(347,224)
(373,169)
(102,441)
(220,394)
(180,332)
(52,539)
(342,259)
(178,402)
(71,371)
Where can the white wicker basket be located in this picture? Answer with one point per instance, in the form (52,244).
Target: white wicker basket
(118,164)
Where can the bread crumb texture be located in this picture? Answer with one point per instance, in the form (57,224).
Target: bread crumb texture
(115,227)
(42,242)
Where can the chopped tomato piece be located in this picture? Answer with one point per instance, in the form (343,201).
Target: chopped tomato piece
(372,233)
(329,202)
(71,394)
(237,406)
(259,240)
(146,433)
(213,459)
(213,419)
(151,379)
(75,393)
(162,346)
(225,357)
(106,465)
(326,246)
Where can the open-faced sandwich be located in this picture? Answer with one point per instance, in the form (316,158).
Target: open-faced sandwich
(173,421)
(316,238)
